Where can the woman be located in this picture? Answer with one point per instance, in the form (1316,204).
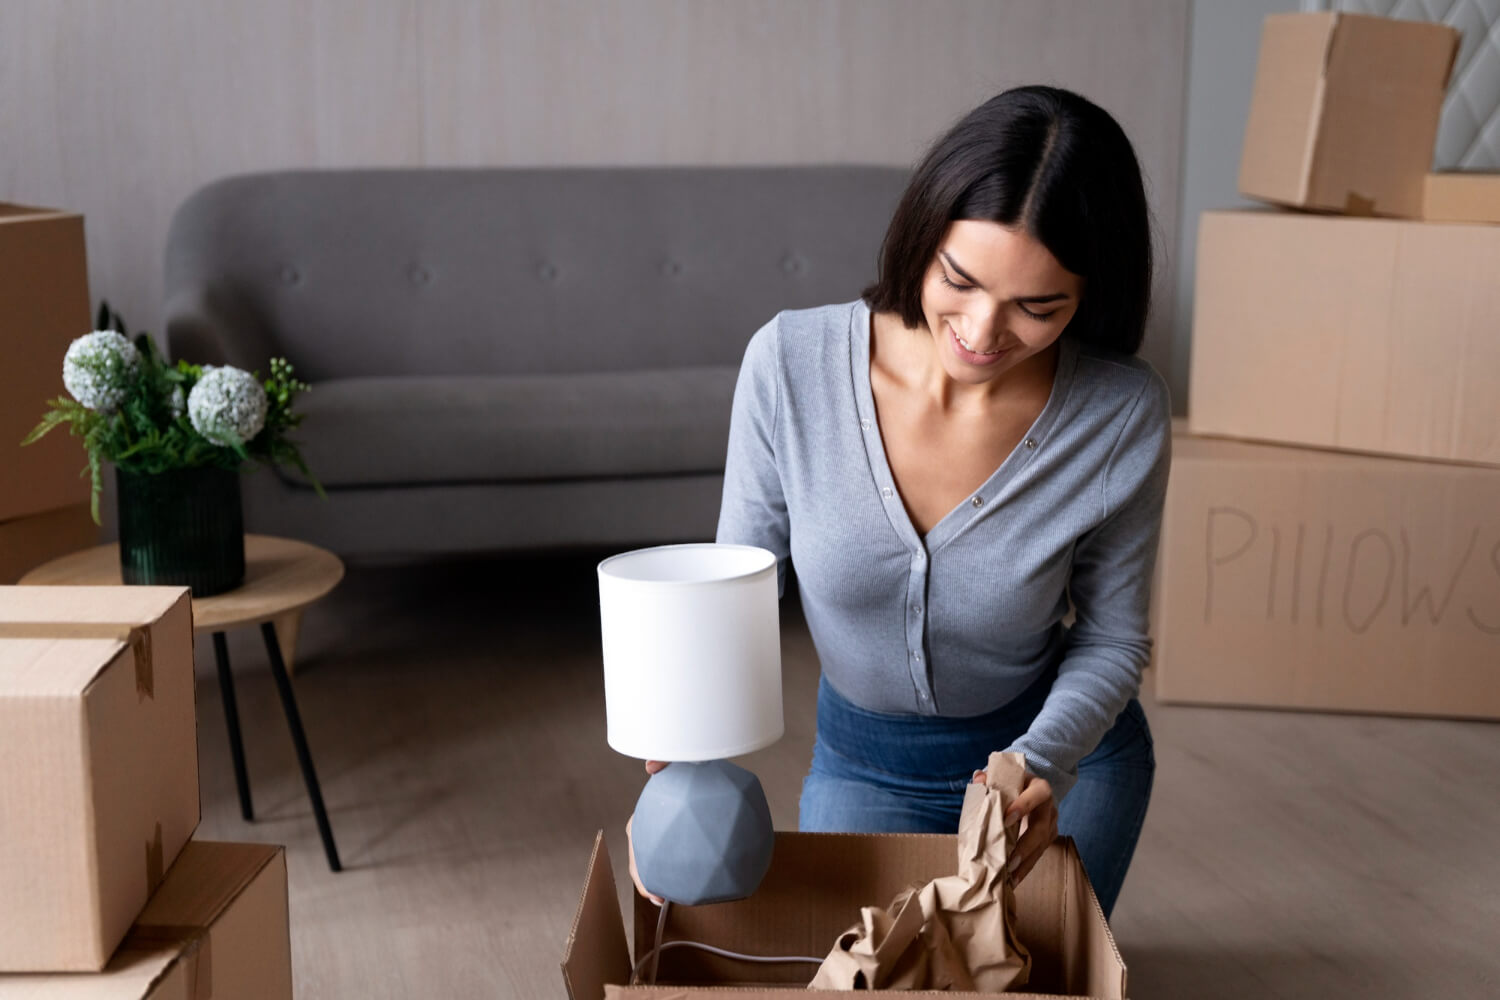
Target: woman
(949,460)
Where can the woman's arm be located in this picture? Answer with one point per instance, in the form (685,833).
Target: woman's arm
(1109,644)
(753,510)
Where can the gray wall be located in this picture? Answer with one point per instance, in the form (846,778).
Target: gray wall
(119,110)
(1225,40)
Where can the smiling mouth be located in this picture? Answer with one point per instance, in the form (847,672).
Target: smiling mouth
(970,356)
(973,350)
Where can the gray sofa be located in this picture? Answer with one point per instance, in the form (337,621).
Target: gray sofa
(509,358)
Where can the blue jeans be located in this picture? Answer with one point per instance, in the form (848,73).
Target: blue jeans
(874,772)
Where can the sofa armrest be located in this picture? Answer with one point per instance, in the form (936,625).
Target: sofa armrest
(213,326)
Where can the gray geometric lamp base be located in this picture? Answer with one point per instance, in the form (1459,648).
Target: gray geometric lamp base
(702,833)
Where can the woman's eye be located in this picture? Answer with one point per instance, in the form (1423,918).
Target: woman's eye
(1039,317)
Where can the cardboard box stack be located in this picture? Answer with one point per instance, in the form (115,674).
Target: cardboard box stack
(44,304)
(1350,559)
(105,894)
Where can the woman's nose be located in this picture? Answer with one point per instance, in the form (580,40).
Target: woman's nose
(985,325)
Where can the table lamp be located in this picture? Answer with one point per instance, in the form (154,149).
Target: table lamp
(692,675)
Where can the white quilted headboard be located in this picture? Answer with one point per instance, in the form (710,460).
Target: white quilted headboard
(1469,138)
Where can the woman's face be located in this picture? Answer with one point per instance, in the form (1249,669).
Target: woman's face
(992,297)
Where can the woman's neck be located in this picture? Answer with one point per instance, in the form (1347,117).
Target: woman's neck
(909,358)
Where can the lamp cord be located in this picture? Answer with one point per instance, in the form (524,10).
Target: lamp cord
(653,957)
(661,925)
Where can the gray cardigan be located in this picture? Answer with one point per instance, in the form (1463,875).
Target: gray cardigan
(958,622)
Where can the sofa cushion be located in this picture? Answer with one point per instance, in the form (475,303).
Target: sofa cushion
(506,271)
(410,430)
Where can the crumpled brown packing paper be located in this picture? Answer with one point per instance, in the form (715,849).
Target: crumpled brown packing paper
(956,932)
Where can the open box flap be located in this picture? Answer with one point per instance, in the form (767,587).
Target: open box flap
(1092,965)
(596,953)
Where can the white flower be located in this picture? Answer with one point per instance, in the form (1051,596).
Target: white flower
(177,404)
(98,369)
(227,405)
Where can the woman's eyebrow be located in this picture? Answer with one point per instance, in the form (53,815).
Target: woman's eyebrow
(1032,299)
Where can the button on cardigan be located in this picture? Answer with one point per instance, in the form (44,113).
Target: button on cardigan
(961,620)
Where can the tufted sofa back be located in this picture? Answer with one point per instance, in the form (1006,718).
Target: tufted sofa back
(517,271)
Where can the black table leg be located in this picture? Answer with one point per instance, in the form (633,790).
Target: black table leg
(232,722)
(299,740)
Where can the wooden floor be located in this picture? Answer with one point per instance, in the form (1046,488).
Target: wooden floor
(456,714)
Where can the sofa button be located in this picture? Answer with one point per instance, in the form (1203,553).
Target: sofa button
(792,264)
(671,269)
(419,276)
(290,275)
(546,272)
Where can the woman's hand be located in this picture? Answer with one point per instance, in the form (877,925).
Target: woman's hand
(652,766)
(1036,805)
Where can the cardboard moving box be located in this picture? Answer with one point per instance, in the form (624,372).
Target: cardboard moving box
(98,765)
(1291,578)
(1371,335)
(44,305)
(1344,114)
(811,895)
(215,930)
(1461,197)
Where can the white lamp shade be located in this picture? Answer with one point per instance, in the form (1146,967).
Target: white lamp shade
(692,651)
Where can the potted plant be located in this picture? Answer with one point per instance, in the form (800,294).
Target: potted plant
(178,437)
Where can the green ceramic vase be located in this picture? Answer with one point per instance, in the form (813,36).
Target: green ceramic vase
(182,528)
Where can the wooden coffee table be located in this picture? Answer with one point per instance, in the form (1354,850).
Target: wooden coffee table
(282,577)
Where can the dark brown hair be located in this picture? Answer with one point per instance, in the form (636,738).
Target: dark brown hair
(1054,164)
